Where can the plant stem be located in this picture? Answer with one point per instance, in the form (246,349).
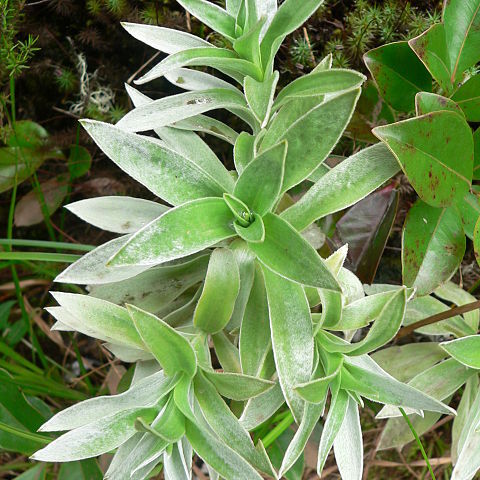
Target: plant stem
(281,427)
(404,331)
(419,443)
(24,434)
(46,244)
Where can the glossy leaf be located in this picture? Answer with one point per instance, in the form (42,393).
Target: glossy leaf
(436,153)
(364,172)
(167,238)
(430,102)
(222,284)
(433,246)
(468,99)
(292,338)
(288,254)
(399,74)
(260,182)
(155,166)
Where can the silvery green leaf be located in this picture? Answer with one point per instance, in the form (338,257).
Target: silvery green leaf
(245,260)
(194,80)
(175,464)
(169,110)
(189,145)
(344,185)
(254,341)
(220,290)
(465,350)
(154,289)
(363,376)
(171,349)
(247,45)
(128,354)
(311,136)
(144,370)
(209,221)
(315,391)
(453,293)
(227,353)
(211,15)
(183,315)
(224,423)
(288,254)
(95,438)
(117,214)
(261,408)
(166,40)
(320,83)
(333,423)
(290,15)
(348,444)
(352,288)
(468,461)
(223,459)
(117,469)
(460,425)
(238,386)
(292,336)
(324,64)
(91,268)
(172,177)
(244,151)
(310,418)
(260,95)
(147,392)
(208,125)
(406,361)
(96,318)
(222,59)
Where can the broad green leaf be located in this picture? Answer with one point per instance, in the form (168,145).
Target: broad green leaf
(436,153)
(333,423)
(370,381)
(260,95)
(181,231)
(156,288)
(145,393)
(172,177)
(315,391)
(248,44)
(117,214)
(398,73)
(226,461)
(84,470)
(169,110)
(245,259)
(166,40)
(311,136)
(288,254)
(406,361)
(38,472)
(172,350)
(468,99)
(240,211)
(95,438)
(348,444)
(462,33)
(469,208)
(433,245)
(440,381)
(221,59)
(96,318)
(320,83)
(244,151)
(222,284)
(224,423)
(169,424)
(237,386)
(431,49)
(310,418)
(79,161)
(290,15)
(426,102)
(254,232)
(466,350)
(260,182)
(344,185)
(227,353)
(212,15)
(292,338)
(254,341)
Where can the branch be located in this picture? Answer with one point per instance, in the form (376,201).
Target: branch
(404,331)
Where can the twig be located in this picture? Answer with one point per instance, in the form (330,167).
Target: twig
(307,39)
(148,62)
(404,331)
(66,112)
